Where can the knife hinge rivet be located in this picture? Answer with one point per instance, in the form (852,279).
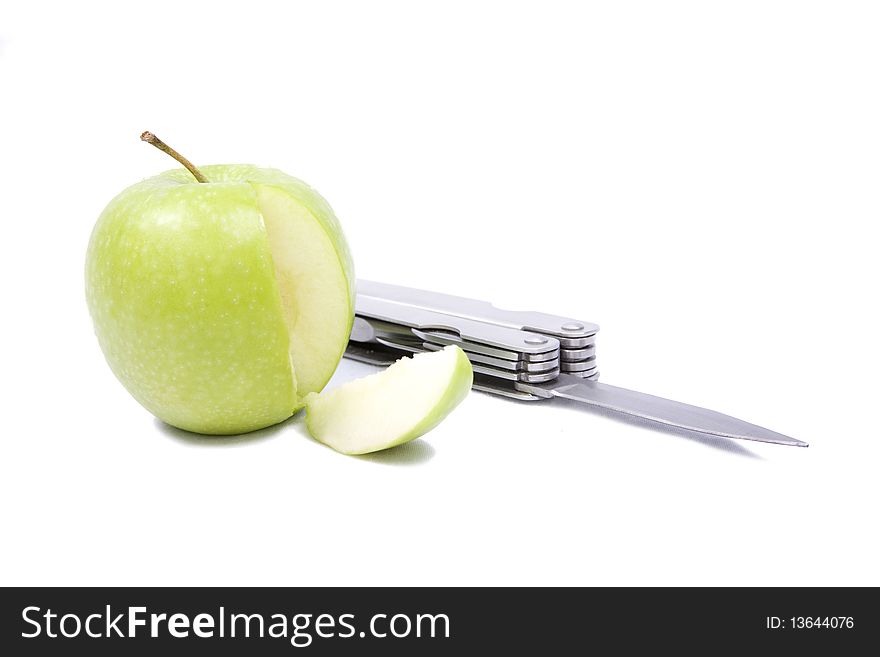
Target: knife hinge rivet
(535,340)
(572,326)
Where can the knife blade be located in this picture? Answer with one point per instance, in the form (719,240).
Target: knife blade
(656,409)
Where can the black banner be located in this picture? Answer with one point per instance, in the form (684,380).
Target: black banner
(407,621)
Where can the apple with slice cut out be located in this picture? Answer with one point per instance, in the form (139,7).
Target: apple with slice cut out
(221,296)
(391,407)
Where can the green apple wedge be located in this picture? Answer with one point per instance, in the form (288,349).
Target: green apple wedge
(221,296)
(391,407)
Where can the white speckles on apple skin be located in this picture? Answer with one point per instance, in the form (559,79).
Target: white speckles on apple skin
(186,306)
(182,292)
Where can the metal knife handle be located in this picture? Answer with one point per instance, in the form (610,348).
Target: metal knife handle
(570,332)
(382,356)
(455,328)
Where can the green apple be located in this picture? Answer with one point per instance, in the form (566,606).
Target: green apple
(391,407)
(220,304)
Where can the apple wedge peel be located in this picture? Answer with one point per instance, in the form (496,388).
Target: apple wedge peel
(391,407)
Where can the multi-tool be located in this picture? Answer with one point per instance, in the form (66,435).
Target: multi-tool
(519,354)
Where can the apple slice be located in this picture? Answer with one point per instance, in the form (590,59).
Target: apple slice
(316,294)
(391,407)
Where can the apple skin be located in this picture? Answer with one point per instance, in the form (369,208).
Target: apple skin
(371,411)
(458,388)
(182,291)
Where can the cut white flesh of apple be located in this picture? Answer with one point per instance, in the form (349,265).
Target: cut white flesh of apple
(391,407)
(314,291)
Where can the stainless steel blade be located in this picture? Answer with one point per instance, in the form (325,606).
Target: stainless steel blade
(657,409)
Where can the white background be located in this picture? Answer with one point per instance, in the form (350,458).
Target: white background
(701,179)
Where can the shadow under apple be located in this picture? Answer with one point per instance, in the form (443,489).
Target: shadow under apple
(412,453)
(205,440)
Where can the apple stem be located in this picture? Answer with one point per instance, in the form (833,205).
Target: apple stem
(150,138)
